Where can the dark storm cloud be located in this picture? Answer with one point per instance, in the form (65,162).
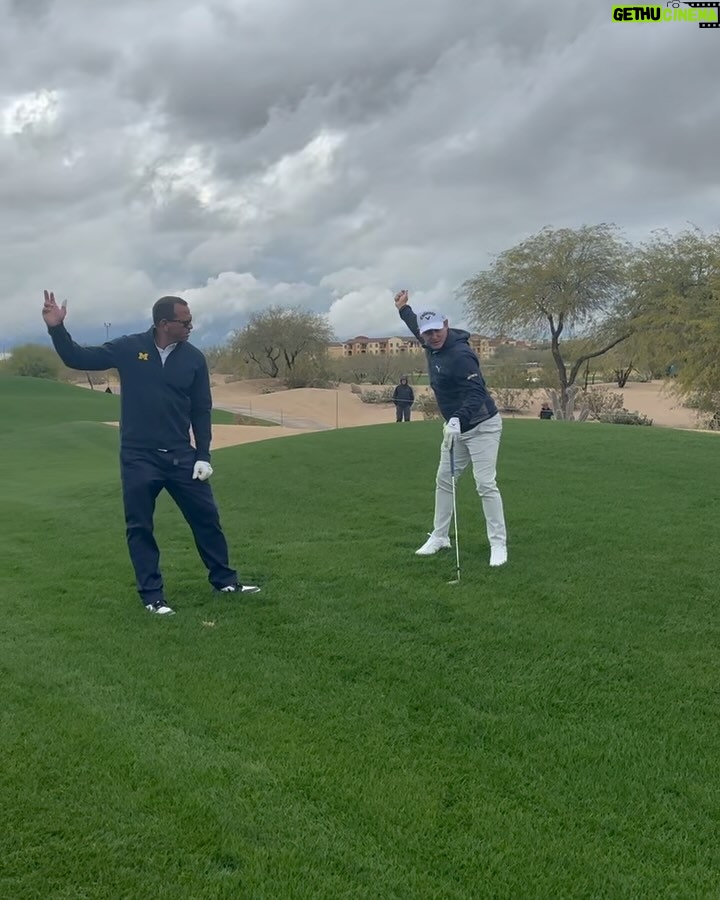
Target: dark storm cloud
(328,153)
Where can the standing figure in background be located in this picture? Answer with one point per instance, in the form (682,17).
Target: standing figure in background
(403,398)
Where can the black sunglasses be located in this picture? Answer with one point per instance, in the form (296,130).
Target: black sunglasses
(185,322)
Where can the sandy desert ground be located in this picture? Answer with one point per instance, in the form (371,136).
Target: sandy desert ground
(313,409)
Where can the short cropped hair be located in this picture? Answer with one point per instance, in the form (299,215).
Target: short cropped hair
(164,308)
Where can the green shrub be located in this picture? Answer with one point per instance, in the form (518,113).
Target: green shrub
(602,401)
(509,399)
(33,361)
(427,405)
(624,417)
(384,395)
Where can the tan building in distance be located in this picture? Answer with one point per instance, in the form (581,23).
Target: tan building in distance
(503,341)
(360,345)
(482,346)
(380,346)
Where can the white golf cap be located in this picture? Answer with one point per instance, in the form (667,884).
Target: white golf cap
(429,320)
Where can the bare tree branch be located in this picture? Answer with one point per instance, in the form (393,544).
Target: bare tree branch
(279,340)
(581,359)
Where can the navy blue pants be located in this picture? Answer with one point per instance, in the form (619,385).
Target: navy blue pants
(144,473)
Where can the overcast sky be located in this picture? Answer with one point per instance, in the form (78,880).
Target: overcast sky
(247,152)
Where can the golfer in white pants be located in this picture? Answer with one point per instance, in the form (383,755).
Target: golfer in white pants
(472,426)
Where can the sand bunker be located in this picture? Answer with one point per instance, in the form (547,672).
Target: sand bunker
(314,409)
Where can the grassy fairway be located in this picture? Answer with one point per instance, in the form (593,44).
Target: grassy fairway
(361,729)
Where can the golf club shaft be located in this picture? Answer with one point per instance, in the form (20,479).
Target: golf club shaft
(454,507)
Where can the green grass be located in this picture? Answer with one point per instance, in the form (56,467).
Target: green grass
(361,729)
(27,402)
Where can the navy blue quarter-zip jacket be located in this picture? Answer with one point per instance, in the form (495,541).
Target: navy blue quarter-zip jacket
(403,393)
(158,403)
(455,376)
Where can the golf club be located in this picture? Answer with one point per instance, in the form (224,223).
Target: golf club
(454,510)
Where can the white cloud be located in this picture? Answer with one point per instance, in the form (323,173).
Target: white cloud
(38,111)
(281,190)
(366,311)
(229,298)
(289,182)
(371,311)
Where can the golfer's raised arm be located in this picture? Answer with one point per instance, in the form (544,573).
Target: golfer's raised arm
(406,313)
(92,359)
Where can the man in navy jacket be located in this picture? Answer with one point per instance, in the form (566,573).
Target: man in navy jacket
(164,392)
(472,426)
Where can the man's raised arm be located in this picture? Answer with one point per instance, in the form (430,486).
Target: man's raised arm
(91,359)
(406,313)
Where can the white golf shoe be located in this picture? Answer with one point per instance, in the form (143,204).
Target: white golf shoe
(432,545)
(160,608)
(498,555)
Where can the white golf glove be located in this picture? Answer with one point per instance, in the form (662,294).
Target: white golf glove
(451,431)
(202,470)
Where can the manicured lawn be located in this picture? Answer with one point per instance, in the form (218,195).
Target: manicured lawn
(361,729)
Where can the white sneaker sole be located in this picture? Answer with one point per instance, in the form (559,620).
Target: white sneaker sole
(422,552)
(240,589)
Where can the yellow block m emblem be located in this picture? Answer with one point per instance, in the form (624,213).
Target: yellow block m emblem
(143,356)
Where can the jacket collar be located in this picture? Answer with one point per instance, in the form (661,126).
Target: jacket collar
(148,338)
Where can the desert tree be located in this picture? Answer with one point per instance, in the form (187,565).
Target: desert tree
(556,284)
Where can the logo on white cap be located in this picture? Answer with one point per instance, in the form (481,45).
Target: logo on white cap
(430,321)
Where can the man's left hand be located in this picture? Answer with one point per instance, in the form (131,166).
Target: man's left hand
(451,431)
(202,470)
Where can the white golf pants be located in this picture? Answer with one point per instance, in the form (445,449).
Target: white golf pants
(479,446)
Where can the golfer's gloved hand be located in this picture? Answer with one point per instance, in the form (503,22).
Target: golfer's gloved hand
(202,470)
(451,431)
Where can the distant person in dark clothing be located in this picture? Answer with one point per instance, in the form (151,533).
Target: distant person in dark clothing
(108,390)
(165,391)
(545,411)
(403,398)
